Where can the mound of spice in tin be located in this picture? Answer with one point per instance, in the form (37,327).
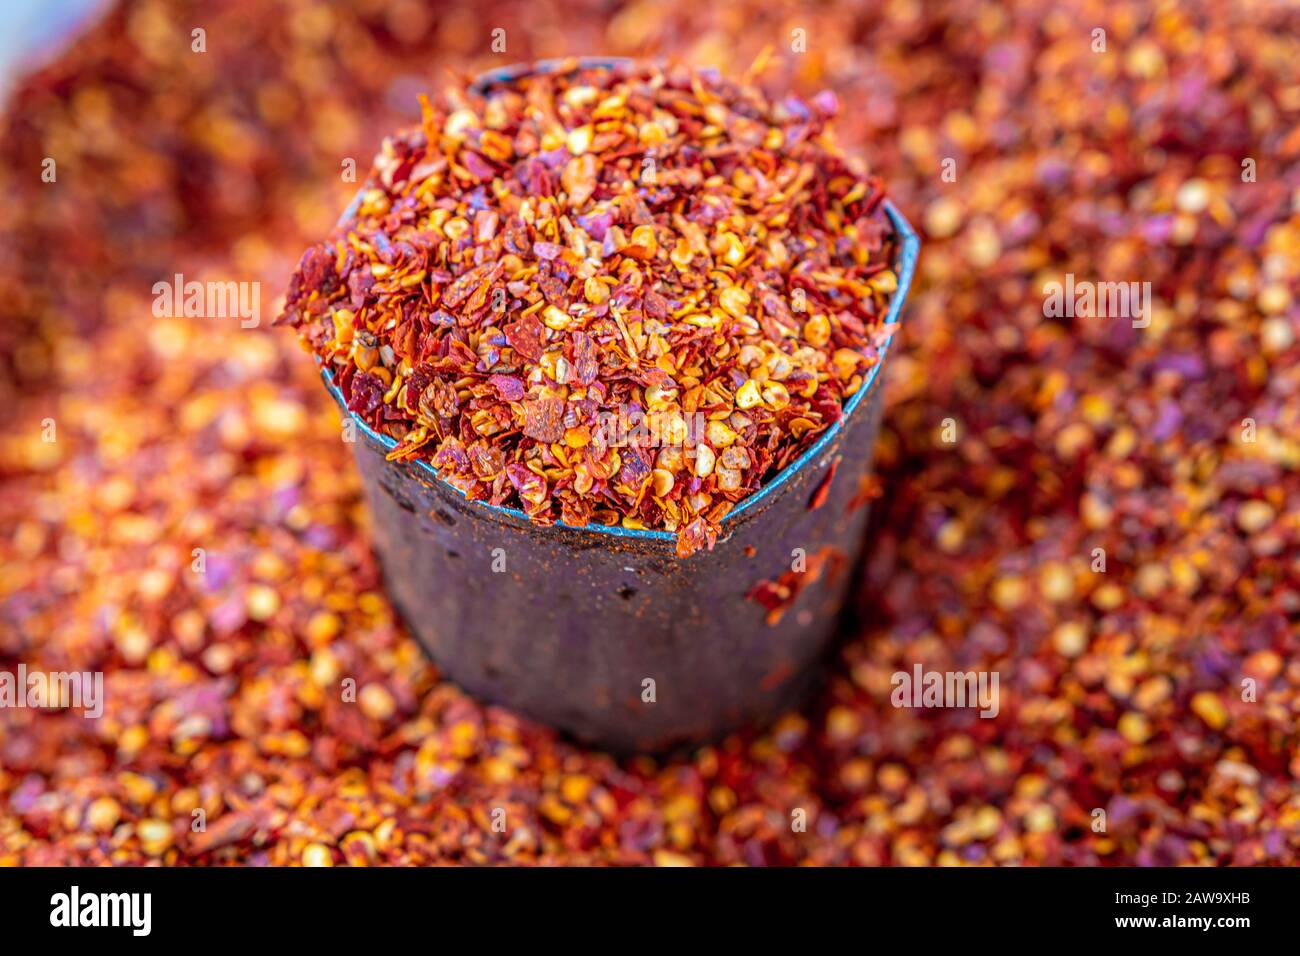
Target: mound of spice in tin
(626,296)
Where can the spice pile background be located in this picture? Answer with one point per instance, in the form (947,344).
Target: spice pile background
(1173,447)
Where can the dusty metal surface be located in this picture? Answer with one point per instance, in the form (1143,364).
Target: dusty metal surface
(567,624)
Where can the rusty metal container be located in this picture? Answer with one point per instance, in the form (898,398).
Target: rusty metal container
(567,625)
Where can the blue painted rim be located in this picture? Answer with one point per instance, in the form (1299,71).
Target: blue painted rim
(905,269)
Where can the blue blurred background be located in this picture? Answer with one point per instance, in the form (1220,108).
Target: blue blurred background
(31,30)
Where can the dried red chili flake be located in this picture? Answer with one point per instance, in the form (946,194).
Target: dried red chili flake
(597,242)
(779,594)
(509,387)
(365,395)
(584,359)
(544,419)
(439,399)
(870,488)
(526,337)
(823,488)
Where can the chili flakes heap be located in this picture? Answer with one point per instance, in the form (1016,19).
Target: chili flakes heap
(541,267)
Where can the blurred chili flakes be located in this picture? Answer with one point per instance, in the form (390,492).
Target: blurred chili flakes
(1171,448)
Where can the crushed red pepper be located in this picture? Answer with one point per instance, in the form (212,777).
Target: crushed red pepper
(593,246)
(780,593)
(1172,448)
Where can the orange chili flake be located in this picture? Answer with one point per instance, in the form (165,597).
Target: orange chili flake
(823,488)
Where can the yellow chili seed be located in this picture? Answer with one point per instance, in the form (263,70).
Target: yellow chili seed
(846,362)
(719,434)
(729,479)
(579,140)
(734,300)
(817,331)
(776,396)
(681,255)
(456,229)
(316,854)
(555,318)
(733,250)
(885,282)
(644,236)
(343,326)
(747,396)
(704,461)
